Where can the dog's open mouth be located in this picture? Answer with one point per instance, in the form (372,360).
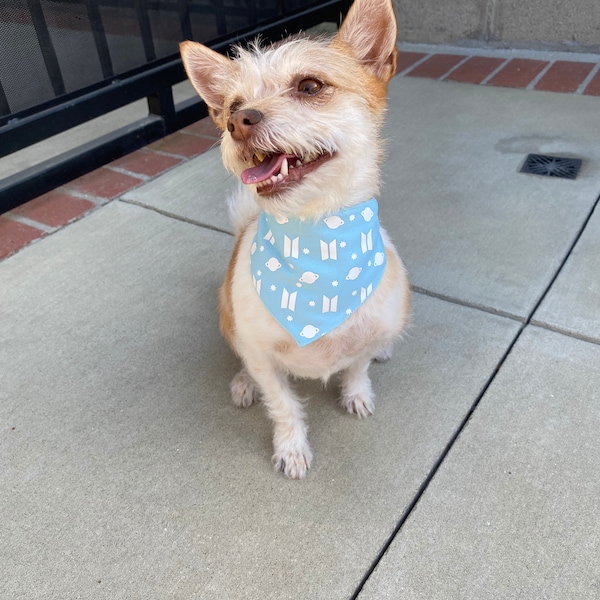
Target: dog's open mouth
(276,171)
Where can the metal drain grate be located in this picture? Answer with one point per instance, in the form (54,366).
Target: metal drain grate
(551,166)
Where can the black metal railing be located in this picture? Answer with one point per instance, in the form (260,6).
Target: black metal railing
(65,62)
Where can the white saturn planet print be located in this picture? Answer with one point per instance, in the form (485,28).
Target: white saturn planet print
(273,264)
(353,273)
(378,260)
(333,222)
(309,331)
(308,277)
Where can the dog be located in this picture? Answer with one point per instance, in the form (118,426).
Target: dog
(314,286)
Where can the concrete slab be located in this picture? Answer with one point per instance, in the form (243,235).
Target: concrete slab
(128,473)
(513,511)
(467,223)
(573,303)
(195,191)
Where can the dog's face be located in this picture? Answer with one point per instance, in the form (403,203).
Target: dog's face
(301,118)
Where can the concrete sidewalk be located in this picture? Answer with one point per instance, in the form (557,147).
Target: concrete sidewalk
(127,473)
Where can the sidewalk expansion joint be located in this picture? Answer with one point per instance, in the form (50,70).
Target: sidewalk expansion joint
(480,307)
(437,464)
(450,444)
(176,217)
(565,332)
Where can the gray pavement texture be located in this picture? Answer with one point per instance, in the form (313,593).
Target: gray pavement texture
(127,473)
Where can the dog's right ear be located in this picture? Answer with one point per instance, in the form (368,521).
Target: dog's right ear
(209,73)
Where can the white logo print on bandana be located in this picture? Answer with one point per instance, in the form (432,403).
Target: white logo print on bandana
(313,276)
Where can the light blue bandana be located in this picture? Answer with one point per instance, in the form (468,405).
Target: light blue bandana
(313,276)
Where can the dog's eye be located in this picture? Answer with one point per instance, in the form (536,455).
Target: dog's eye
(310,87)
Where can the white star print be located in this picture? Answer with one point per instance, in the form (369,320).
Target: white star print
(273,288)
(262,248)
(352,217)
(290,318)
(312,303)
(335,283)
(305,251)
(342,244)
(353,256)
(348,311)
(259,272)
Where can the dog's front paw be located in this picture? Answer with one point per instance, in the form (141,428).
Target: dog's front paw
(293,461)
(360,405)
(243,389)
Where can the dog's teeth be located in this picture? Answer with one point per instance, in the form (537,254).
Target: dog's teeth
(284,168)
(273,179)
(279,177)
(260,155)
(298,163)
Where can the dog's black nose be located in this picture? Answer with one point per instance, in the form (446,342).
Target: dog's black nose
(240,123)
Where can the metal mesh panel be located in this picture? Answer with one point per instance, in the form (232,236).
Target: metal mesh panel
(23,74)
(52,47)
(123,37)
(71,37)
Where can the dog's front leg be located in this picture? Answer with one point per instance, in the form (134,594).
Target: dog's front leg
(357,393)
(292,452)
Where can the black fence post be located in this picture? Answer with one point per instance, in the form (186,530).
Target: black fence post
(100,38)
(4,106)
(145,29)
(47,47)
(185,20)
(161,104)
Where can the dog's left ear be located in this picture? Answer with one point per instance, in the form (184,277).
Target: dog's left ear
(370,29)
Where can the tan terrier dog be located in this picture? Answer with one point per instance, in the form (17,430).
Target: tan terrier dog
(314,286)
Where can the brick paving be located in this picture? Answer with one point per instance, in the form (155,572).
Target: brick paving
(518,73)
(476,69)
(436,66)
(564,76)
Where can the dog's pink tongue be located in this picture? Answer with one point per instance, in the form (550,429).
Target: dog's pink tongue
(267,168)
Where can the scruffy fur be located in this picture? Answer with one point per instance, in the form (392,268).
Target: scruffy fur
(322,98)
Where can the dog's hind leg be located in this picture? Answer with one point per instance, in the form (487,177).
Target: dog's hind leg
(292,452)
(384,355)
(357,393)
